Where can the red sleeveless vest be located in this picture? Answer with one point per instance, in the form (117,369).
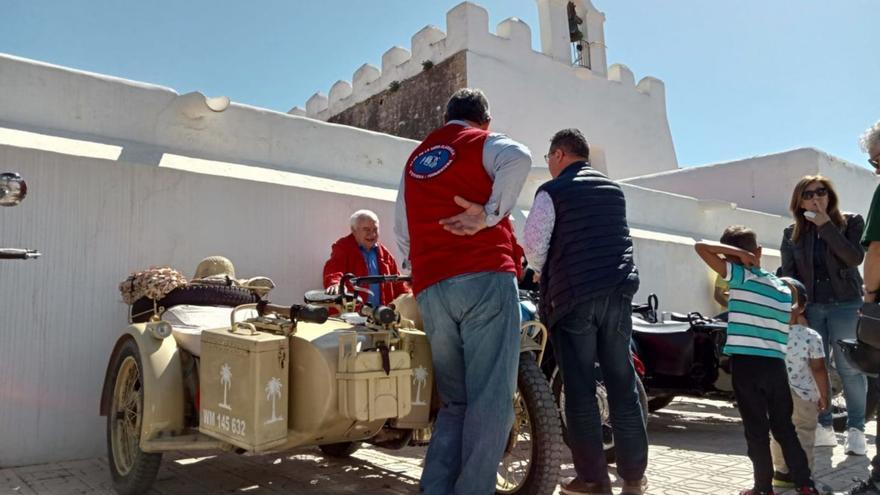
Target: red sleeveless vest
(449,163)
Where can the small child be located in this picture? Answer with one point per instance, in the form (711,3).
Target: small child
(808,379)
(757,332)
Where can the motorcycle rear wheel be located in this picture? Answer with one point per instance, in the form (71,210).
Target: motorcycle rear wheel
(133,470)
(532,459)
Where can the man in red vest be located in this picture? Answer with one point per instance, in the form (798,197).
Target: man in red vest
(362,254)
(453,227)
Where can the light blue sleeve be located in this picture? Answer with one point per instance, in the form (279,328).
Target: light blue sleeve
(401,225)
(508,164)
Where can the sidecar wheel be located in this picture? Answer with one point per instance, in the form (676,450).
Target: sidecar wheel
(657,403)
(533,456)
(132,469)
(340,450)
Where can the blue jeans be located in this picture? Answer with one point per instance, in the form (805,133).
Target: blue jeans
(835,321)
(472,322)
(600,329)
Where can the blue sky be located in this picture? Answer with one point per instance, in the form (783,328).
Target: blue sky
(743,78)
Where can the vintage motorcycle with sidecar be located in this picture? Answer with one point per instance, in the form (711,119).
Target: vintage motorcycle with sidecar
(269,378)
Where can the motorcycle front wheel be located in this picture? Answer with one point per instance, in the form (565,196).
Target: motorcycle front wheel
(133,470)
(533,456)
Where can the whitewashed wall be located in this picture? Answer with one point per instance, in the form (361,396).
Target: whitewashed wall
(532,94)
(146,121)
(765,183)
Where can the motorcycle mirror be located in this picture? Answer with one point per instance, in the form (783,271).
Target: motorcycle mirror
(13,189)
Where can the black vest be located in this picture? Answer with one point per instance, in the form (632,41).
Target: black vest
(591,252)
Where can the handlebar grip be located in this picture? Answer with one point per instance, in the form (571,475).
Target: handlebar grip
(18,254)
(310,313)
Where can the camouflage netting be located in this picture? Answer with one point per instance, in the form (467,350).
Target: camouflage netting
(154,283)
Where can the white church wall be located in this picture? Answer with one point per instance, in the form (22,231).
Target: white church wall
(625,120)
(765,183)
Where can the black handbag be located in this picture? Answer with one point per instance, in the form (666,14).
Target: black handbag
(868,331)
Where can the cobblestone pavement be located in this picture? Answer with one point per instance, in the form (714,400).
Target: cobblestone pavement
(697,447)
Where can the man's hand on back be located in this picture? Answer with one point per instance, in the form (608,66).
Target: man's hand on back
(468,222)
(332,290)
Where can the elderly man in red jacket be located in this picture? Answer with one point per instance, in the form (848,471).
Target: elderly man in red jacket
(361,253)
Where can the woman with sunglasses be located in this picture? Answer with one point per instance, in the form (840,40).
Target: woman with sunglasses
(823,250)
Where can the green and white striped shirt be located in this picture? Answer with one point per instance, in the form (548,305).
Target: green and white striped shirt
(759,311)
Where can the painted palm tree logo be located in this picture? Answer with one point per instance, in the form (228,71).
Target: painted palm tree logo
(226,381)
(420,377)
(273,391)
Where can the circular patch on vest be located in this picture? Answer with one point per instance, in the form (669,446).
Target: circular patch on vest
(432,162)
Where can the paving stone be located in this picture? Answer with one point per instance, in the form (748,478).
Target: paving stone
(697,448)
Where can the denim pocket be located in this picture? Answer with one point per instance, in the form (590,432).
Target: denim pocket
(624,322)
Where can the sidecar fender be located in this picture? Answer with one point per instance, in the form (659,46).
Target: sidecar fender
(162,377)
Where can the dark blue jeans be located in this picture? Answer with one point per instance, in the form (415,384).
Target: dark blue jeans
(600,329)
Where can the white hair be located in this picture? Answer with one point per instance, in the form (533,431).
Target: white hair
(870,138)
(362,214)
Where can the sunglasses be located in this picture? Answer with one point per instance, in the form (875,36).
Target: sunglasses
(820,192)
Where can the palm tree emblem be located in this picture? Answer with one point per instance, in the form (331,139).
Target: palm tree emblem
(226,381)
(420,378)
(273,391)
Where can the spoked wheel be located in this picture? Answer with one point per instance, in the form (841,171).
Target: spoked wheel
(604,411)
(533,456)
(133,470)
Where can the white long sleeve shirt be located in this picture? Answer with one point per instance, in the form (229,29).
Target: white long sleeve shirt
(538,231)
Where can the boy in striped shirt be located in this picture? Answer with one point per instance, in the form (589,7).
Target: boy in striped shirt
(757,332)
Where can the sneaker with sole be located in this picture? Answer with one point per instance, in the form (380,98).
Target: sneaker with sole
(825,437)
(782,480)
(577,486)
(867,487)
(637,487)
(855,442)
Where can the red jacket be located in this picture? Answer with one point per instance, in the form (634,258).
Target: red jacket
(346,257)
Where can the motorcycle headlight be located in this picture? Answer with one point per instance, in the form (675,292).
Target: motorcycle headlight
(159,330)
(13,189)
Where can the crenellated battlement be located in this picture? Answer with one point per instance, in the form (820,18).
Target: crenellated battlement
(467,28)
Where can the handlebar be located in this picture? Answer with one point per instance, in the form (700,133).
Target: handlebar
(308,313)
(18,254)
(373,279)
